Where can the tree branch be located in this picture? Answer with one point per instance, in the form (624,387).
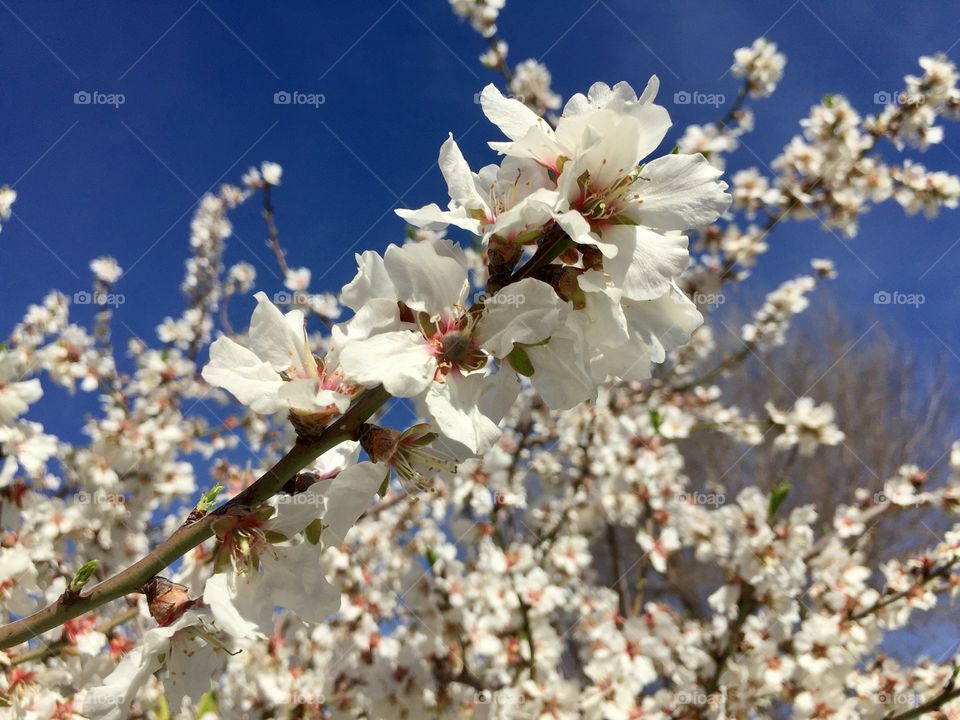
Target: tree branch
(189,536)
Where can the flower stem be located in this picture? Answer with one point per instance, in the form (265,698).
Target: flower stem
(189,536)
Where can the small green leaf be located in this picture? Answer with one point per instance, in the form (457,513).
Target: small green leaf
(313,531)
(209,498)
(207,704)
(656,419)
(162,711)
(83,575)
(385,485)
(520,361)
(777,496)
(431,556)
(273,537)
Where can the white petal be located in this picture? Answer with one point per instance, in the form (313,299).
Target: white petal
(371,281)
(400,361)
(298,583)
(432,217)
(280,339)
(348,496)
(511,116)
(460,180)
(680,192)
(561,374)
(663,323)
(646,261)
(248,378)
(454,405)
(523,312)
(430,276)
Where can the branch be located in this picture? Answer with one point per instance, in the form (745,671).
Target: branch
(272,230)
(188,536)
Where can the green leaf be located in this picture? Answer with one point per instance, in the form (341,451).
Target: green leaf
(431,556)
(520,361)
(162,711)
(313,531)
(83,575)
(777,496)
(207,704)
(207,500)
(385,485)
(656,419)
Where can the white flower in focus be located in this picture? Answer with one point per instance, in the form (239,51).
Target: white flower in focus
(278,371)
(414,334)
(289,575)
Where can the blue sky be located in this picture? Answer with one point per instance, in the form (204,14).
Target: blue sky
(198,80)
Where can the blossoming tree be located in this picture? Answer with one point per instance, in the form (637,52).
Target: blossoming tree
(526,540)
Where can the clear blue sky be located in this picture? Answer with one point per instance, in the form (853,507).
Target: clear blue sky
(199,79)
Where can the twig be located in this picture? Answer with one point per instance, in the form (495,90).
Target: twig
(188,537)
